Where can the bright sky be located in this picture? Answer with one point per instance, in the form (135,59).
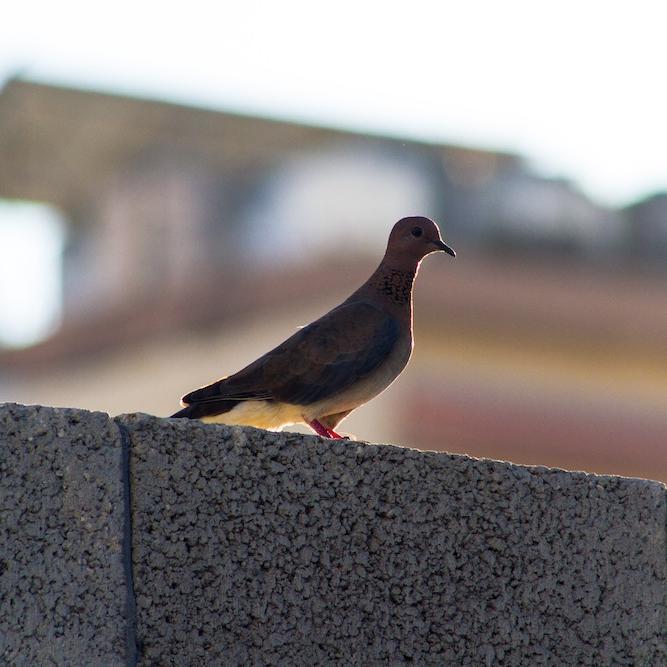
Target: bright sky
(575,86)
(31,239)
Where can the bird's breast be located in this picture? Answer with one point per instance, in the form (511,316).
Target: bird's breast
(367,387)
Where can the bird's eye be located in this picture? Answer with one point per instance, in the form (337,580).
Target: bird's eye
(417,232)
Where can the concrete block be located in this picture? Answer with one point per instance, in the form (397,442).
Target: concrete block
(280,549)
(62,579)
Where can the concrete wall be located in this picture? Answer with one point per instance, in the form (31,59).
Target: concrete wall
(154,542)
(62,579)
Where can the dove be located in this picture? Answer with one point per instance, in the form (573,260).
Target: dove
(338,362)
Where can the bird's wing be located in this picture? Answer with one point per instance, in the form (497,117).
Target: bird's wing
(320,360)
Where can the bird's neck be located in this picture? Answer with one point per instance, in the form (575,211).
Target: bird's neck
(392,282)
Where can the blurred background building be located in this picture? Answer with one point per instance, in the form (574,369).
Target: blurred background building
(194,240)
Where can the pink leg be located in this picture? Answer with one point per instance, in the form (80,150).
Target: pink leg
(323,430)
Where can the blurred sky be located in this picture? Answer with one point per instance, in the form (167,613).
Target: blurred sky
(576,87)
(31,238)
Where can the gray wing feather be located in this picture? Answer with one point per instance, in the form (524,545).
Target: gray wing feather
(320,360)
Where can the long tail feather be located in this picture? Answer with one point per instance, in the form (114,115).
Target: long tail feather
(208,409)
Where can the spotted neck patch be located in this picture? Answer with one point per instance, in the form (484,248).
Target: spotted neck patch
(396,285)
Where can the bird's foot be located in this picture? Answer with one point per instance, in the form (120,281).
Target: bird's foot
(325,432)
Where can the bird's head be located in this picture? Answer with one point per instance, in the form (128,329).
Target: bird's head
(415,237)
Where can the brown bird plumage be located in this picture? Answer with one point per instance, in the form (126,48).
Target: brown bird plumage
(339,362)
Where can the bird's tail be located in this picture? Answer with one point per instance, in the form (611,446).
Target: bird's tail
(205,409)
(185,413)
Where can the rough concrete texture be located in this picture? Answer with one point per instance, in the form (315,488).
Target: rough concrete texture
(254,548)
(62,583)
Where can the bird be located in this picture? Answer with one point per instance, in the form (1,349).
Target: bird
(338,362)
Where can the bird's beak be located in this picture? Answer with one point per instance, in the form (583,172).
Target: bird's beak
(441,245)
